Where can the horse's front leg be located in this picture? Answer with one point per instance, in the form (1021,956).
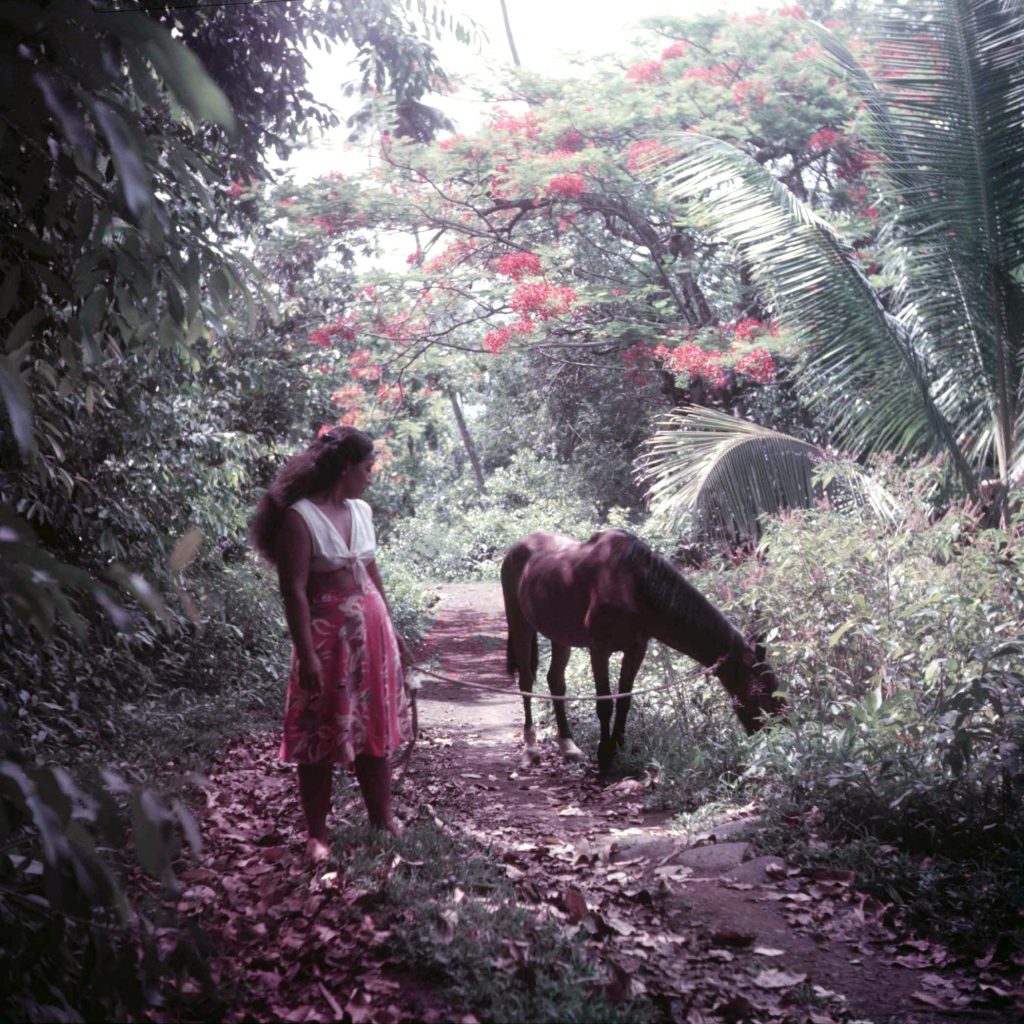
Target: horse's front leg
(606,746)
(632,659)
(556,684)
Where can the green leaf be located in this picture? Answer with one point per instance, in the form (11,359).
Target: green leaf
(62,104)
(22,331)
(18,402)
(127,154)
(839,633)
(195,90)
(9,289)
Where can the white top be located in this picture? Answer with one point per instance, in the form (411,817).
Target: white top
(330,552)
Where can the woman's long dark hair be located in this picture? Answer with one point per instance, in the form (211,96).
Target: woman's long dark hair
(312,471)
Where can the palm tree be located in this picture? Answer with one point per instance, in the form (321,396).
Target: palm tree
(935,364)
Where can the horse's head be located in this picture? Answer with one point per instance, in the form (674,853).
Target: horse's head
(753,686)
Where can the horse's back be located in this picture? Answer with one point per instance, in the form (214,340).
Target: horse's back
(557,583)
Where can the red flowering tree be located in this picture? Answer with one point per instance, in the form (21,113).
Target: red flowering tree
(542,234)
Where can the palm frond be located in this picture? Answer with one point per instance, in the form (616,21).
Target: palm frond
(723,473)
(947,118)
(867,369)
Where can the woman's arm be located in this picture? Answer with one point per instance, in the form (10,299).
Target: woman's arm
(294,551)
(403,649)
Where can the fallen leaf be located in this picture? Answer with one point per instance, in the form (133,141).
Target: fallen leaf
(331,1001)
(928,1000)
(778,979)
(575,903)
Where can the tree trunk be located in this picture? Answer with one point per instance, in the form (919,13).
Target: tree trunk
(467,441)
(508,34)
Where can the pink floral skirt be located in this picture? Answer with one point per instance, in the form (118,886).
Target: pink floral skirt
(363,707)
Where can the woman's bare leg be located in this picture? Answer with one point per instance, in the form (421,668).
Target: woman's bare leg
(374,775)
(315,793)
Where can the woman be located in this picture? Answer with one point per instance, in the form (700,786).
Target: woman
(346,700)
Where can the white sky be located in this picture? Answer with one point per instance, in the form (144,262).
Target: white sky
(547,34)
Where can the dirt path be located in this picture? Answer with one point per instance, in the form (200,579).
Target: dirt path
(696,923)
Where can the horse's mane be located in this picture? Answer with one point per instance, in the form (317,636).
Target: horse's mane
(664,589)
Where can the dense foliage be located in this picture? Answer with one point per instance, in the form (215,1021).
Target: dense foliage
(553,303)
(145,398)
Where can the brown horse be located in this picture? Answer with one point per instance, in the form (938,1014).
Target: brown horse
(613,593)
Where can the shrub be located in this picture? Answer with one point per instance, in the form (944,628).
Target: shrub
(904,653)
(465,536)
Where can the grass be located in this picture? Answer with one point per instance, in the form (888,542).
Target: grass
(457,922)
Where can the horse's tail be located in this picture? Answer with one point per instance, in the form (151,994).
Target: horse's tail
(510,658)
(511,569)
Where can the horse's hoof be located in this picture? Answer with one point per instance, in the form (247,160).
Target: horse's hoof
(570,751)
(606,755)
(531,757)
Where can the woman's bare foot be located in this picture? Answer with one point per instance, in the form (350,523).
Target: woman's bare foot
(392,826)
(317,851)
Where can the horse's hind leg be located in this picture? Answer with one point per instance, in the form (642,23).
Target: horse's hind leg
(556,684)
(524,653)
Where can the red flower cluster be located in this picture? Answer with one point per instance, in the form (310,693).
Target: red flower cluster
(823,138)
(678,49)
(546,300)
(694,362)
(751,90)
(636,360)
(329,225)
(360,367)
(343,328)
(518,265)
(527,127)
(853,163)
(791,12)
(643,154)
(711,366)
(568,186)
(758,365)
(717,74)
(644,71)
(453,253)
(571,140)
(494,341)
(749,329)
(349,400)
(391,393)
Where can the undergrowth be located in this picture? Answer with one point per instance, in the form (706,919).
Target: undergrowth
(457,924)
